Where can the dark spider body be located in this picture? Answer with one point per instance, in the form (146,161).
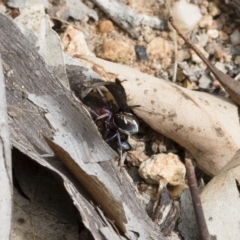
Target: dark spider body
(112,121)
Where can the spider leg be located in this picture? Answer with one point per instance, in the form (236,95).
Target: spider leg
(120,149)
(103,97)
(92,111)
(102,116)
(109,139)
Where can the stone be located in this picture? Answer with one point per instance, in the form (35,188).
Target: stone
(237,60)
(206,21)
(136,157)
(186,15)
(105,26)
(223,36)
(116,50)
(202,39)
(158,48)
(195,58)
(213,33)
(189,84)
(183,54)
(204,81)
(74,42)
(162,166)
(213,9)
(235,37)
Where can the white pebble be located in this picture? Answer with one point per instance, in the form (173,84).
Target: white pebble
(213,33)
(213,9)
(221,67)
(235,37)
(206,21)
(237,60)
(186,15)
(202,39)
(183,54)
(195,58)
(204,81)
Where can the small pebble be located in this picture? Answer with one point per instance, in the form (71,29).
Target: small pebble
(141,53)
(206,21)
(136,158)
(183,54)
(159,47)
(195,58)
(105,26)
(148,34)
(221,67)
(90,4)
(235,37)
(187,15)
(223,36)
(203,10)
(205,3)
(204,81)
(202,39)
(136,144)
(237,60)
(213,9)
(116,51)
(189,84)
(213,33)
(163,166)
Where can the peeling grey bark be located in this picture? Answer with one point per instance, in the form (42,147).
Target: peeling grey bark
(5,165)
(56,114)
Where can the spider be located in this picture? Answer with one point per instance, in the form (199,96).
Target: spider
(113,122)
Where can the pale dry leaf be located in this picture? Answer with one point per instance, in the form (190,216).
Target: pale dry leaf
(220,200)
(204,124)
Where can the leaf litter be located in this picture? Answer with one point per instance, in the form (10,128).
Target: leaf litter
(207,126)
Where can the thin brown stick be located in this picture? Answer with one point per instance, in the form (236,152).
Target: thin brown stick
(231,86)
(196,200)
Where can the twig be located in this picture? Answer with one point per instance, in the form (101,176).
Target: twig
(196,200)
(126,18)
(231,86)
(175,66)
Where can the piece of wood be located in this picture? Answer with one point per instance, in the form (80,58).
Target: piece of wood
(32,93)
(193,186)
(5,165)
(126,18)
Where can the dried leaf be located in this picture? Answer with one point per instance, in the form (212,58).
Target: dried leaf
(220,200)
(206,125)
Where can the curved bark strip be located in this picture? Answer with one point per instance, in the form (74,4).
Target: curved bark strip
(5,165)
(204,124)
(54,113)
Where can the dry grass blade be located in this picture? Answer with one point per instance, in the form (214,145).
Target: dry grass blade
(196,200)
(231,86)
